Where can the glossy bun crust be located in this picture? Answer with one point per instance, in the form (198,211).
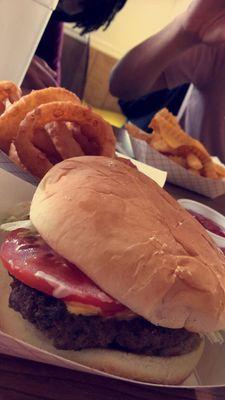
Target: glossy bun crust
(134,240)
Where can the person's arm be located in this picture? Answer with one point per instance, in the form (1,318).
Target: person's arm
(141,71)
(39,76)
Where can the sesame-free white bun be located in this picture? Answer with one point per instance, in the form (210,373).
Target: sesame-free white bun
(133,240)
(163,370)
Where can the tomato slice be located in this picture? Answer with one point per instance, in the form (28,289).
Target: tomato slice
(29,259)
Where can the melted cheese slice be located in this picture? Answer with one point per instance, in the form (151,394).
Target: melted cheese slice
(82,309)
(88,310)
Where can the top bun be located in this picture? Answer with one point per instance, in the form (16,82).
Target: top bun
(133,240)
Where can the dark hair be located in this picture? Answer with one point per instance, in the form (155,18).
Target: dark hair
(95,13)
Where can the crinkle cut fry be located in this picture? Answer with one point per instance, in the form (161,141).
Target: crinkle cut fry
(173,135)
(220,169)
(11,119)
(194,162)
(164,113)
(159,144)
(209,170)
(137,133)
(33,159)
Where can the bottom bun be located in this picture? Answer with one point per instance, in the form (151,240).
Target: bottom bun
(163,370)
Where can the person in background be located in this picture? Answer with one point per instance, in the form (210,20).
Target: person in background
(88,15)
(141,111)
(191,49)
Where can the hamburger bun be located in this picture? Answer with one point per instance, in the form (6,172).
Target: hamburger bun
(164,370)
(134,241)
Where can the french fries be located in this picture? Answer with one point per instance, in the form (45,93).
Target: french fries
(194,162)
(179,160)
(134,131)
(159,143)
(172,141)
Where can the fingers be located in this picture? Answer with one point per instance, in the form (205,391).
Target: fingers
(39,76)
(43,77)
(42,63)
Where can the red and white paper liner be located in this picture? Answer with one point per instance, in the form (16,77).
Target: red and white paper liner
(175,173)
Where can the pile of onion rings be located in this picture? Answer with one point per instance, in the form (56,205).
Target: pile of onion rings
(49,125)
(12,117)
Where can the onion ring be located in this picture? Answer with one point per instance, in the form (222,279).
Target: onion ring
(62,138)
(2,107)
(34,160)
(10,91)
(89,147)
(13,156)
(10,120)
(43,142)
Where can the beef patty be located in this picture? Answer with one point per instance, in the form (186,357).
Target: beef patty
(76,332)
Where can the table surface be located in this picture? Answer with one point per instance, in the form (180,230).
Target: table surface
(26,380)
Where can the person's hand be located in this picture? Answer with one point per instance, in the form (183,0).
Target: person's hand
(39,75)
(206,20)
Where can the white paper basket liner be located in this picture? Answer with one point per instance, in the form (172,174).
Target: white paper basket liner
(175,173)
(155,174)
(210,372)
(9,166)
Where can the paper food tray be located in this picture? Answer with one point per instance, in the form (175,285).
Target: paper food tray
(154,173)
(175,173)
(210,372)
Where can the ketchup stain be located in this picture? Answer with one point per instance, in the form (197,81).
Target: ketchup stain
(208,224)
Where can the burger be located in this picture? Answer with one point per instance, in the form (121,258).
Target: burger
(112,273)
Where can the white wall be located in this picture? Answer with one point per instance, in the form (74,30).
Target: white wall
(138,20)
